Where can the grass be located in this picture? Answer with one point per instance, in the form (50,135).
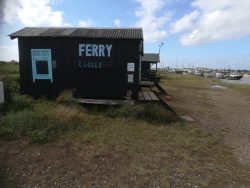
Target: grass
(40,120)
(150,140)
(242,88)
(8,68)
(185,81)
(201,83)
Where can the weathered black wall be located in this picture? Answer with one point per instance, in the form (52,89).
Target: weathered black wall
(145,70)
(109,81)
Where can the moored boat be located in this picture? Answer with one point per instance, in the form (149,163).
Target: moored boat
(235,76)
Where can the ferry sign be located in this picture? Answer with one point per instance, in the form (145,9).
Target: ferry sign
(95,50)
(101,51)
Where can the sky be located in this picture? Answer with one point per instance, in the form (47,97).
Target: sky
(195,33)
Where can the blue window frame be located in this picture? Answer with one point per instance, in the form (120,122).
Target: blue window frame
(41,64)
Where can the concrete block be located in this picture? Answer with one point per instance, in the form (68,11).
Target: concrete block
(187,118)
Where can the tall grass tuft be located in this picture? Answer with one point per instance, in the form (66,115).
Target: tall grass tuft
(64,97)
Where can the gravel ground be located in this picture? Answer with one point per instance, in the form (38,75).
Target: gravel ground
(221,111)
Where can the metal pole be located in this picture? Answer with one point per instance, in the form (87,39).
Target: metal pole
(160,46)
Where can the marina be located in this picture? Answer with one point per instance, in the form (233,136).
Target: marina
(243,80)
(229,76)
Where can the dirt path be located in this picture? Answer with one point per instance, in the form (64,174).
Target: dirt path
(222,112)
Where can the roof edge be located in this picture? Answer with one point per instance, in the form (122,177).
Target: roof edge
(38,32)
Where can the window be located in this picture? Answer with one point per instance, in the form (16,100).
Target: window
(41,64)
(42,67)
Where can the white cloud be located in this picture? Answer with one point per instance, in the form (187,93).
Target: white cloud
(117,22)
(32,13)
(86,23)
(185,22)
(152,18)
(214,20)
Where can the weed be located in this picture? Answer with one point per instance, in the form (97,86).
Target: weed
(64,97)
(7,133)
(149,112)
(38,136)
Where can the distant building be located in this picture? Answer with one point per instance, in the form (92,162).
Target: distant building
(149,60)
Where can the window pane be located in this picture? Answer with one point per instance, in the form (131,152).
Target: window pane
(42,67)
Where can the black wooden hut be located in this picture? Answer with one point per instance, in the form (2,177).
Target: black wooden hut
(98,63)
(149,60)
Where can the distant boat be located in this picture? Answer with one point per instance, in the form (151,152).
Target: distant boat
(235,76)
(219,75)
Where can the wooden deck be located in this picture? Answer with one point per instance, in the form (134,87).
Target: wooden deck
(146,84)
(147,96)
(103,102)
(144,95)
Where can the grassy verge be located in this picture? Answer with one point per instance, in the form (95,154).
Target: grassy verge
(186,81)
(153,146)
(42,121)
(8,68)
(242,88)
(199,83)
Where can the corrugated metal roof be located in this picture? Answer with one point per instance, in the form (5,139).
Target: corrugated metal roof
(111,33)
(150,57)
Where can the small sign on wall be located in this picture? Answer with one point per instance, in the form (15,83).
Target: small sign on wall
(130,78)
(41,64)
(130,67)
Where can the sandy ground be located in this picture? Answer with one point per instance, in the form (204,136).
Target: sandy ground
(222,112)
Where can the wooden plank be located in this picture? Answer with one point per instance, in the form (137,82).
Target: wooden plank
(160,88)
(153,96)
(165,104)
(146,83)
(103,102)
(146,96)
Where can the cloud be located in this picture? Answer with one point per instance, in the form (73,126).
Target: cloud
(214,20)
(185,22)
(31,13)
(86,23)
(117,22)
(152,18)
